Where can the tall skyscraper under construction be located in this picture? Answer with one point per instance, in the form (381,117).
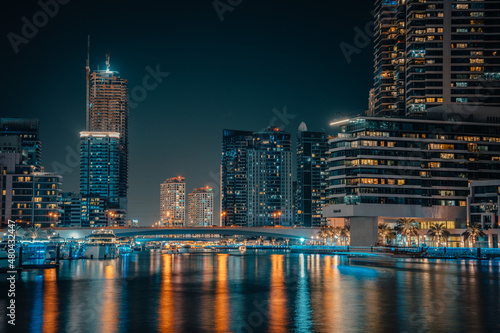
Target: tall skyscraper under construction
(108,111)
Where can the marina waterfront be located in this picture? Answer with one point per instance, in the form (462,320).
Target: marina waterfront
(257,291)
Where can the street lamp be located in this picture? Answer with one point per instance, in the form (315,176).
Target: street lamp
(223,215)
(274,218)
(279,219)
(110,218)
(55,216)
(168,219)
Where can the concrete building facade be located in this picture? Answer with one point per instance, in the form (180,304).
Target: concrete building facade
(173,202)
(201,207)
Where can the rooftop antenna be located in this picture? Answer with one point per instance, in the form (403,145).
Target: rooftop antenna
(108,55)
(87,67)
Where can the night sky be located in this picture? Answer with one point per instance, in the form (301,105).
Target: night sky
(264,55)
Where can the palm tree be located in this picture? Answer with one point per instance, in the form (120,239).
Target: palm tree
(385,232)
(33,232)
(346,233)
(51,232)
(407,228)
(19,231)
(335,233)
(472,232)
(324,232)
(438,231)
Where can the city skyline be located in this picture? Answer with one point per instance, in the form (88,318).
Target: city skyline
(240,97)
(256,166)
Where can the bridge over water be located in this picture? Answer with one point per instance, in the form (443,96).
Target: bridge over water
(280,232)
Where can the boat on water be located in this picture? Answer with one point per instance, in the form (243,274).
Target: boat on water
(4,256)
(173,248)
(153,247)
(124,248)
(101,244)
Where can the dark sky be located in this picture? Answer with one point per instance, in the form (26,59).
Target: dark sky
(265,55)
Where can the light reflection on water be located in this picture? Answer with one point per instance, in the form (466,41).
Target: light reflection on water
(257,292)
(166,308)
(278,318)
(222,311)
(50,302)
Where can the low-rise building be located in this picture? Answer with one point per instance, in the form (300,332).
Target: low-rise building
(28,197)
(71,208)
(483,203)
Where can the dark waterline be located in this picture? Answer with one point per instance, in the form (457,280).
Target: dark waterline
(256,292)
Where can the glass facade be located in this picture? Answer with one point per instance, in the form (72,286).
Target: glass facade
(27,131)
(435,52)
(70,209)
(234,185)
(411,162)
(256,178)
(99,175)
(109,112)
(269,165)
(483,203)
(312,151)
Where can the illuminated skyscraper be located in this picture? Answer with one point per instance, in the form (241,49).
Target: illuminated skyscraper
(433,53)
(269,167)
(99,178)
(256,178)
(173,202)
(108,111)
(312,151)
(201,207)
(234,177)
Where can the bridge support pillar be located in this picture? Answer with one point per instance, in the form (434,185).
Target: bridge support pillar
(364,231)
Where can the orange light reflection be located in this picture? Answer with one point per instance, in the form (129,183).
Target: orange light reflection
(50,302)
(278,319)
(109,317)
(222,295)
(166,309)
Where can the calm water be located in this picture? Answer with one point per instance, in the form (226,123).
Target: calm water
(257,292)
